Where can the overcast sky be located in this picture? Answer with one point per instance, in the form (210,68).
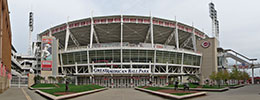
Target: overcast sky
(239,19)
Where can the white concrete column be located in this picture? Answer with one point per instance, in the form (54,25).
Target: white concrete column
(121,36)
(121,42)
(176,34)
(167,80)
(91,30)
(151,25)
(89,69)
(150,71)
(61,63)
(93,79)
(90,79)
(253,75)
(112,65)
(93,66)
(131,67)
(167,71)
(181,78)
(182,59)
(154,61)
(194,39)
(76,80)
(67,37)
(150,66)
(112,81)
(76,67)
(167,68)
(19,83)
(154,65)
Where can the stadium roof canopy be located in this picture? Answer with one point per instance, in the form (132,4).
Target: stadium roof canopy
(136,29)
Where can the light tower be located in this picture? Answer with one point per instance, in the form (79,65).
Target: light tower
(215,22)
(30,33)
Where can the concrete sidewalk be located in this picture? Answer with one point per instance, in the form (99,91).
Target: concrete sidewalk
(120,94)
(248,92)
(15,93)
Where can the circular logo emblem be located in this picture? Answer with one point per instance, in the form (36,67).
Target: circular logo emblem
(205,44)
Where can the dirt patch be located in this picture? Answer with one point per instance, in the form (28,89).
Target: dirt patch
(57,85)
(175,91)
(146,87)
(199,86)
(63,93)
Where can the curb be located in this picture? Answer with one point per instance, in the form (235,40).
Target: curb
(237,86)
(172,96)
(205,89)
(31,88)
(50,96)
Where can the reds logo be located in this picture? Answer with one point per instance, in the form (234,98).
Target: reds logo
(205,44)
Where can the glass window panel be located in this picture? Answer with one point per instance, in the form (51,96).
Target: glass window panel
(142,56)
(77,57)
(126,55)
(64,59)
(179,58)
(92,56)
(84,57)
(108,55)
(116,54)
(159,56)
(71,58)
(134,55)
(151,56)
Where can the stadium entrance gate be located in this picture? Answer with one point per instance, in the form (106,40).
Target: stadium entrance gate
(124,81)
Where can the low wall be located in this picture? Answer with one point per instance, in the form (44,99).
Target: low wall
(31,80)
(4,83)
(52,97)
(172,96)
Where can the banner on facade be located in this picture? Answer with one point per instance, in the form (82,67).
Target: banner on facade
(120,71)
(2,73)
(9,76)
(46,61)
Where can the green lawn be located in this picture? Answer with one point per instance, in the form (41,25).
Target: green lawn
(43,86)
(213,87)
(72,88)
(231,85)
(181,85)
(162,88)
(204,86)
(141,86)
(155,88)
(180,94)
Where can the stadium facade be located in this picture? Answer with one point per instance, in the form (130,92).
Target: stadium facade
(127,51)
(5,46)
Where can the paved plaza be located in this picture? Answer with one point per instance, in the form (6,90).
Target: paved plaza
(120,94)
(250,92)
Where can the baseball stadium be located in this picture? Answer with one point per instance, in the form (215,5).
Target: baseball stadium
(126,51)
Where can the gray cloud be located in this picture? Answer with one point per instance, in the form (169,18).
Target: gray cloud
(239,19)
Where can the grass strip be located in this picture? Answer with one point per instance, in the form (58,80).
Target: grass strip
(72,88)
(43,86)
